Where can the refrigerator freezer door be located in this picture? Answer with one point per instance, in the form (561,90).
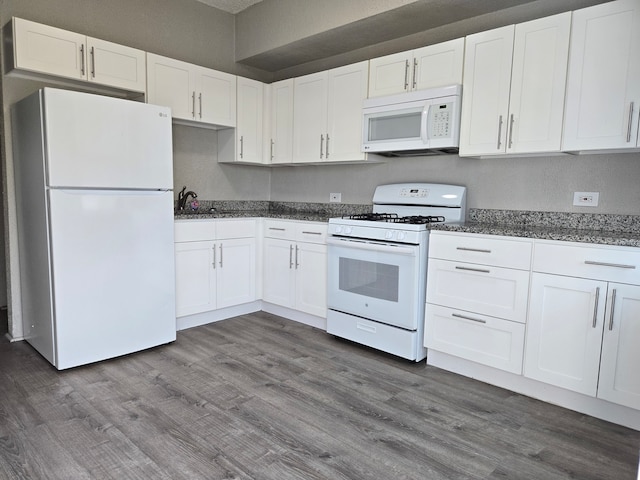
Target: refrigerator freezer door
(101,142)
(113,273)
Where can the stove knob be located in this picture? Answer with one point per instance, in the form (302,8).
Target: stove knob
(401,235)
(338,229)
(348,230)
(389,235)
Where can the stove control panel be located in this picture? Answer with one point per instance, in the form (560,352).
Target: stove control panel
(414,192)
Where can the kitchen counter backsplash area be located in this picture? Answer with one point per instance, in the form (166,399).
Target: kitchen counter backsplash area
(314,212)
(623,230)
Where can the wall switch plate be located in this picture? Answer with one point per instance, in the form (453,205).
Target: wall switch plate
(335,197)
(586,199)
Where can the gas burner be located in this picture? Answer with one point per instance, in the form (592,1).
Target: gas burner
(374,217)
(419,219)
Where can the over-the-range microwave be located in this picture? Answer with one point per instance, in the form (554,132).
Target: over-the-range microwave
(425,122)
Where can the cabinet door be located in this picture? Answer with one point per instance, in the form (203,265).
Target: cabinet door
(116,65)
(171,83)
(486,83)
(347,90)
(564,331)
(249,116)
(603,91)
(311,278)
(279,272)
(195,277)
(310,117)
(538,80)
(236,272)
(216,97)
(50,50)
(438,65)
(390,74)
(619,379)
(281,143)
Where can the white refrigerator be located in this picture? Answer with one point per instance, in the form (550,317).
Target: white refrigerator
(94,180)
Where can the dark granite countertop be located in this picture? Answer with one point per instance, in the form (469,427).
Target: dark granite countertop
(621,230)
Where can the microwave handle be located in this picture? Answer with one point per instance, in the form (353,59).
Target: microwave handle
(424,124)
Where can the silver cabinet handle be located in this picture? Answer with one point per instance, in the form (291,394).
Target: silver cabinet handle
(278,229)
(193,104)
(311,233)
(469,269)
(214,256)
(93,63)
(479,250)
(271,149)
(290,256)
(605,264)
(457,315)
(511,131)
(200,102)
(630,122)
(499,131)
(241,146)
(220,255)
(326,155)
(415,73)
(595,308)
(321,145)
(406,75)
(613,307)
(297,264)
(82,60)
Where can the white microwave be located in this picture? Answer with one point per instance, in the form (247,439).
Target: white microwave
(425,122)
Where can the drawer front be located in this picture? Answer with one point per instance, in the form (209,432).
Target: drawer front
(471,248)
(486,340)
(311,232)
(280,229)
(194,230)
(499,292)
(235,228)
(614,264)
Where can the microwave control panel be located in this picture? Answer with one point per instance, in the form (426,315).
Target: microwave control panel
(439,122)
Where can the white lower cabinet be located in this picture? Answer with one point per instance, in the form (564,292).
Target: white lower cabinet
(215,264)
(295,266)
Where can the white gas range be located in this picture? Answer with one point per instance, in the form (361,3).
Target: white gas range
(377,266)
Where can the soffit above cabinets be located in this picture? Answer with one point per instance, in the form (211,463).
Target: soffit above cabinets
(230,6)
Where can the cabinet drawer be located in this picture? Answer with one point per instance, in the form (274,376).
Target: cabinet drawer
(486,340)
(495,291)
(470,248)
(194,230)
(614,264)
(235,228)
(280,229)
(311,232)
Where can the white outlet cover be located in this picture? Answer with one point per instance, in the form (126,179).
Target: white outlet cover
(586,199)
(335,197)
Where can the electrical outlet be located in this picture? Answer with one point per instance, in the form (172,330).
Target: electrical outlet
(586,199)
(335,197)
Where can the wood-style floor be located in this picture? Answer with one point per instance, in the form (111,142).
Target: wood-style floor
(260,397)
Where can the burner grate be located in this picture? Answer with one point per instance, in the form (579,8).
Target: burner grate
(374,217)
(419,219)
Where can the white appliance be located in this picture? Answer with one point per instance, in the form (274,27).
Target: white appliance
(94,181)
(377,266)
(425,122)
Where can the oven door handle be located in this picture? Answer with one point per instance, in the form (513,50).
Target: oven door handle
(373,247)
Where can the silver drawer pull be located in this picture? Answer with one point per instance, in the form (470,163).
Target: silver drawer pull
(479,250)
(312,233)
(278,229)
(457,315)
(480,270)
(605,264)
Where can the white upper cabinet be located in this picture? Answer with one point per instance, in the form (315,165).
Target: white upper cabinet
(513,88)
(195,94)
(52,51)
(250,107)
(603,85)
(427,67)
(327,114)
(280,144)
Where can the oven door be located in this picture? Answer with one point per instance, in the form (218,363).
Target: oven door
(374,280)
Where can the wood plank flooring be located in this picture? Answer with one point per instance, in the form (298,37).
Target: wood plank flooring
(260,397)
